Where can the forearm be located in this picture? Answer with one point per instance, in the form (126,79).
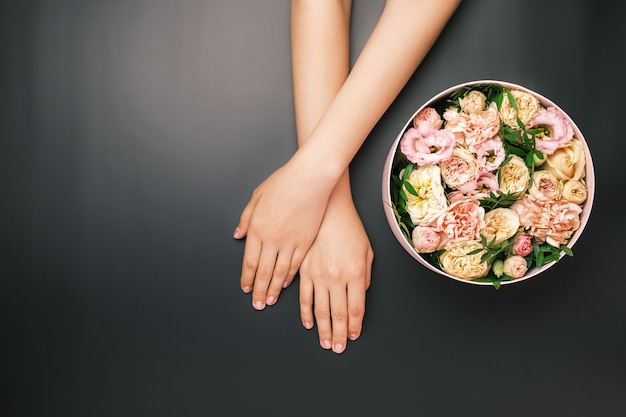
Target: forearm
(320,64)
(404,34)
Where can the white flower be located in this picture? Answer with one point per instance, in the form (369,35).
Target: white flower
(568,161)
(514,176)
(545,186)
(473,102)
(527,104)
(431,199)
(456,261)
(574,191)
(500,223)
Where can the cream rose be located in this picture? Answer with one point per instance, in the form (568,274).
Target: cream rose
(567,162)
(463,221)
(460,168)
(574,191)
(553,222)
(431,199)
(456,261)
(545,186)
(500,223)
(514,176)
(515,266)
(527,104)
(425,239)
(473,102)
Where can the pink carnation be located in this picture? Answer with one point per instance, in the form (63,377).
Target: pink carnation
(558,130)
(473,129)
(553,222)
(426,145)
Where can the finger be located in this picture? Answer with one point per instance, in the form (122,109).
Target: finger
(321,309)
(263,277)
(244,219)
(250,263)
(306,301)
(339,318)
(356,308)
(370,260)
(296,262)
(279,277)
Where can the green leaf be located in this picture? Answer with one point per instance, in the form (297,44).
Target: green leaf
(512,100)
(411,189)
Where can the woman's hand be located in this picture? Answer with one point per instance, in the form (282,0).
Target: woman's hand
(335,274)
(280,223)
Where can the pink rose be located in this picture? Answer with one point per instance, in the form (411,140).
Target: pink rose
(463,221)
(558,130)
(459,168)
(428,117)
(426,145)
(544,186)
(553,222)
(523,245)
(425,239)
(515,266)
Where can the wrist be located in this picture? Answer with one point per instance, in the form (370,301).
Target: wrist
(324,165)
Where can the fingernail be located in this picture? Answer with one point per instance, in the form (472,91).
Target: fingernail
(270,300)
(307,325)
(258,304)
(236,233)
(353,336)
(246,289)
(285,284)
(326,344)
(338,348)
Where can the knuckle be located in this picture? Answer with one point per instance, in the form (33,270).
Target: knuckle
(359,269)
(263,272)
(321,311)
(306,299)
(339,314)
(250,264)
(281,270)
(356,311)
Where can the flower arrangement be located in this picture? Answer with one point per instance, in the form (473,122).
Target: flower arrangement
(488,182)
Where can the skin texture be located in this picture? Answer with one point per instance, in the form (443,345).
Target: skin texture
(336,271)
(319,232)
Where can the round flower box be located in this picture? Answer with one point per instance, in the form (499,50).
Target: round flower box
(488,183)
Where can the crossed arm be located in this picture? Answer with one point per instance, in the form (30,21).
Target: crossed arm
(302,216)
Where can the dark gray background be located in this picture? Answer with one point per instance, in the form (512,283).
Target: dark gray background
(133,133)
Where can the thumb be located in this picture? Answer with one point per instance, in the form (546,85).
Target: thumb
(244,221)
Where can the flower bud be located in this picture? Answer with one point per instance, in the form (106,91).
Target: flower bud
(498,268)
(537,161)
